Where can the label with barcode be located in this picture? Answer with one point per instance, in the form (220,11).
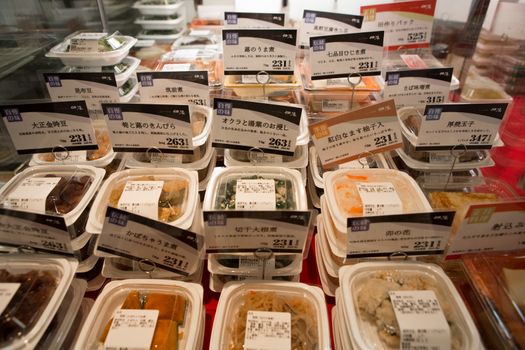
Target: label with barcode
(31,194)
(85,42)
(141,197)
(255,194)
(421,320)
(379,198)
(335,105)
(253,263)
(132,330)
(7,291)
(268,331)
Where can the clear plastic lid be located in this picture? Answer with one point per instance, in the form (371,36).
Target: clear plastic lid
(280,264)
(162,35)
(304,304)
(333,102)
(207,60)
(128,89)
(373,324)
(200,39)
(497,281)
(478,88)
(34,287)
(175,204)
(217,282)
(233,157)
(344,199)
(158,7)
(64,190)
(178,322)
(288,188)
(160,22)
(327,282)
(59,328)
(122,70)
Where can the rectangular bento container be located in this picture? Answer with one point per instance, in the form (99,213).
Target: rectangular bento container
(163,23)
(44,284)
(169,7)
(364,332)
(243,264)
(114,294)
(229,324)
(121,76)
(189,203)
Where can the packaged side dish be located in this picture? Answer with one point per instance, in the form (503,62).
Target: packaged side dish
(179,307)
(123,70)
(62,190)
(160,22)
(299,160)
(327,283)
(285,184)
(301,306)
(198,39)
(161,35)
(112,50)
(198,59)
(176,200)
(217,281)
(37,286)
(248,264)
(128,90)
(359,192)
(373,324)
(158,7)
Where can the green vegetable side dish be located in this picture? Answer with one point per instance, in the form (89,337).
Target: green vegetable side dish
(126,88)
(283,194)
(110,43)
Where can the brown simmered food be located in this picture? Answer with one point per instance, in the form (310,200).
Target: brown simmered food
(28,303)
(458,200)
(66,195)
(170,201)
(172,310)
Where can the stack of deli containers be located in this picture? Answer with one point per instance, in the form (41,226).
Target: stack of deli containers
(178,205)
(112,55)
(290,194)
(178,322)
(66,191)
(198,39)
(316,172)
(34,287)
(161,20)
(488,49)
(298,307)
(343,200)
(203,159)
(365,317)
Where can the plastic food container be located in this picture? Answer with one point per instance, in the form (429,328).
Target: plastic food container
(43,285)
(179,319)
(217,282)
(329,103)
(160,22)
(92,59)
(158,7)
(60,327)
(479,88)
(122,70)
(306,304)
(497,298)
(198,39)
(81,316)
(327,283)
(176,202)
(128,90)
(344,200)
(100,157)
(198,59)
(160,35)
(247,264)
(75,187)
(289,190)
(365,288)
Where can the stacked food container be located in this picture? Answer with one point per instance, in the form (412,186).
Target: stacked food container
(342,200)
(161,20)
(488,49)
(296,311)
(178,205)
(173,310)
(365,318)
(220,194)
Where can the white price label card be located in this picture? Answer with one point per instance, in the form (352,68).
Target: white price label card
(421,320)
(250,51)
(142,198)
(186,87)
(152,128)
(267,330)
(472,125)
(85,42)
(31,194)
(7,292)
(255,194)
(253,20)
(347,137)
(413,234)
(137,237)
(406,24)
(94,88)
(418,87)
(132,329)
(249,231)
(490,227)
(379,198)
(269,127)
(323,23)
(49,127)
(337,56)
